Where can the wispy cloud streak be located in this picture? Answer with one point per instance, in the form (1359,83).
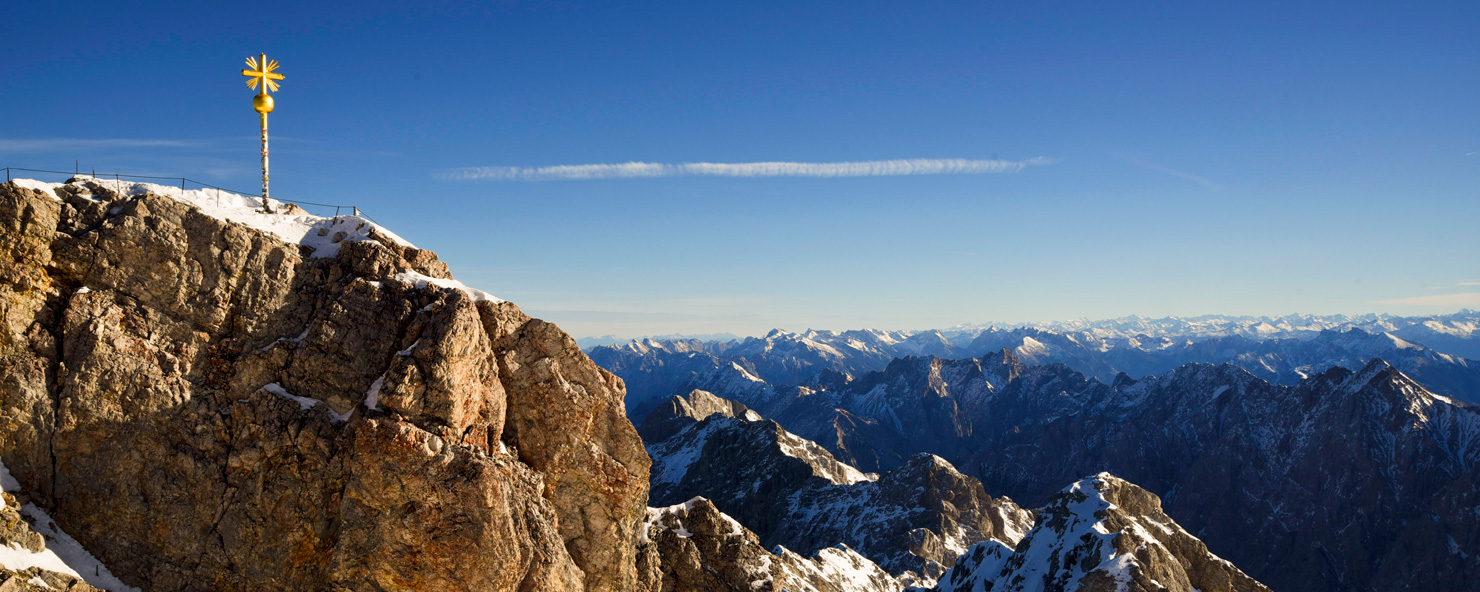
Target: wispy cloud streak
(637,170)
(73,144)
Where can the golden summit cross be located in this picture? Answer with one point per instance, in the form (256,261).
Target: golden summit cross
(260,74)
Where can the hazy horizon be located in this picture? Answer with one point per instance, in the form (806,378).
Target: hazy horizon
(722,335)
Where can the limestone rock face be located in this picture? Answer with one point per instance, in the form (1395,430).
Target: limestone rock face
(207,407)
(567,419)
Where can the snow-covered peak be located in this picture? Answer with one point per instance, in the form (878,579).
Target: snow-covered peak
(289,223)
(1100,533)
(422,281)
(822,462)
(1031,348)
(677,512)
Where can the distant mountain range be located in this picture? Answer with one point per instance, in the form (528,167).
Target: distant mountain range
(1282,350)
(586,343)
(1315,453)
(1454,333)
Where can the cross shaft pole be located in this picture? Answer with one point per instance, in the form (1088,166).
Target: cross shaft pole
(265,206)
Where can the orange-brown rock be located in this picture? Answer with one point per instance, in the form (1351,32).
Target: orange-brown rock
(207,407)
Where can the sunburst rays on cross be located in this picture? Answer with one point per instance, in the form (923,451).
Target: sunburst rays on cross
(260,71)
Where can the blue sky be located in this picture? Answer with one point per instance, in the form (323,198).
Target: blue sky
(1199,157)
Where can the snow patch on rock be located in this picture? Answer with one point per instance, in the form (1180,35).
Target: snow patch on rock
(63,554)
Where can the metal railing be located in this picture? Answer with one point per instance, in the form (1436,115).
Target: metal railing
(354,210)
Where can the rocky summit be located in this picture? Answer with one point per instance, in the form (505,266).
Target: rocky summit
(202,403)
(693,546)
(1099,534)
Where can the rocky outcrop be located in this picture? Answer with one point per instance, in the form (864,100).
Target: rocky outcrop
(694,546)
(567,420)
(915,405)
(680,412)
(1100,534)
(206,406)
(916,519)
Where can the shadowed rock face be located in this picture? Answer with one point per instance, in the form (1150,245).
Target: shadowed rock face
(206,407)
(1099,535)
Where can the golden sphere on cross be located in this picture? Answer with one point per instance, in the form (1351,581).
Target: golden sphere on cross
(262,103)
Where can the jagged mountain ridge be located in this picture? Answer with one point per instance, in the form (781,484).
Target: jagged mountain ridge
(1402,453)
(1101,533)
(913,521)
(1457,333)
(656,369)
(336,413)
(1286,360)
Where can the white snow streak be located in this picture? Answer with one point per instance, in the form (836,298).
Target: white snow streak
(63,554)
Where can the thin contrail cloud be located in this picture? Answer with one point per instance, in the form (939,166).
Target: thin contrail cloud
(639,170)
(69,144)
(1151,166)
